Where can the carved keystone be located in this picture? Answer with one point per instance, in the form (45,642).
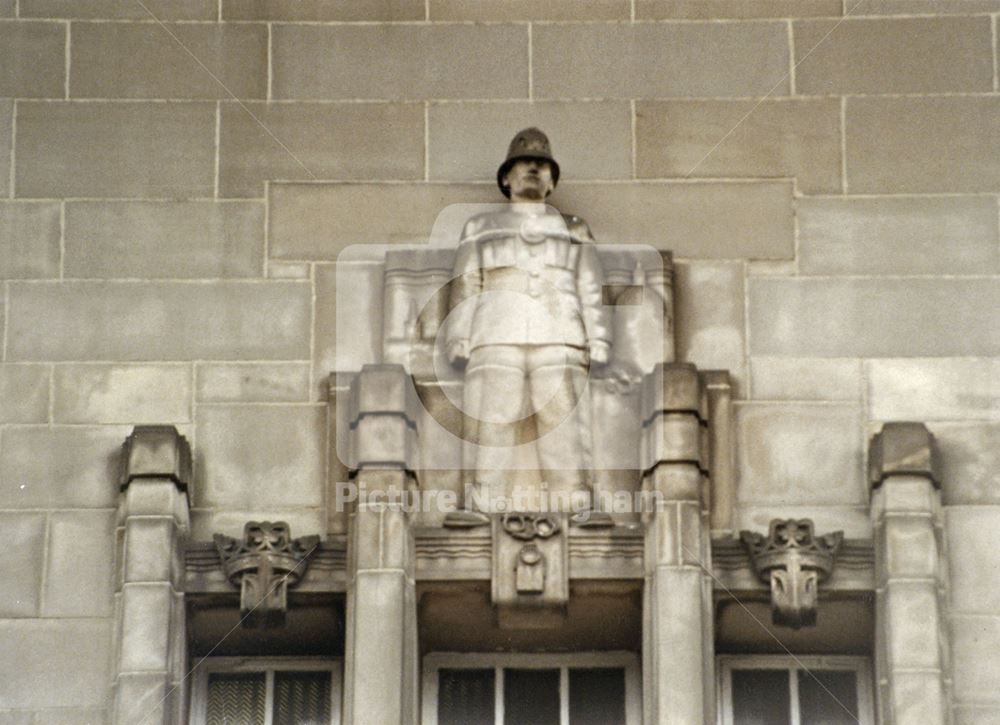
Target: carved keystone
(903,449)
(264,565)
(155,451)
(530,570)
(794,562)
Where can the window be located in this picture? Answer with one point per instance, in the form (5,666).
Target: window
(257,691)
(780,690)
(494,689)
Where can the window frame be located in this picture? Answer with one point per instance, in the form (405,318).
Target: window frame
(861,666)
(436,661)
(268,666)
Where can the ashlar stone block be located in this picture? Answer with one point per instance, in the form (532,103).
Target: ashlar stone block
(29,239)
(911,614)
(149,60)
(252,382)
(934,388)
(175,240)
(925,7)
(60,663)
(659,60)
(122,394)
(893,55)
(781,378)
(78,576)
(124,9)
(21,562)
(163,321)
(323,10)
(146,618)
(718,9)
(258,456)
(33,59)
(155,150)
(970,462)
(975,641)
(6,125)
(512,10)
(24,390)
(973,562)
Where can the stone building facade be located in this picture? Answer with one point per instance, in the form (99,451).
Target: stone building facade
(186,185)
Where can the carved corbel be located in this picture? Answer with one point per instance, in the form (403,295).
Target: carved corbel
(264,565)
(530,569)
(794,561)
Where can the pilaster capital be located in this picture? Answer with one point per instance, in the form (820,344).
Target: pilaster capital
(155,451)
(903,449)
(674,388)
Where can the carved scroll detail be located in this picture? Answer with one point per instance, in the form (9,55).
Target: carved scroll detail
(264,565)
(794,561)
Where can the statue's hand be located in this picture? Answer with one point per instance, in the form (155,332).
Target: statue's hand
(600,352)
(458,352)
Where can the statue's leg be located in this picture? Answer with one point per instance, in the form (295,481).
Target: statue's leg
(558,382)
(495,391)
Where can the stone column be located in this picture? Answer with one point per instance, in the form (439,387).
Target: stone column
(905,509)
(149,601)
(381,667)
(677,623)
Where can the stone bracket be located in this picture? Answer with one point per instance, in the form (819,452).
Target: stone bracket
(530,569)
(155,451)
(794,562)
(903,449)
(264,565)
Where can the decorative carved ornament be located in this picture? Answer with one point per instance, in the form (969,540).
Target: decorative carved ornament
(530,569)
(264,565)
(794,561)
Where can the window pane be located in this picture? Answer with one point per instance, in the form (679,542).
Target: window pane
(760,697)
(466,697)
(531,697)
(828,697)
(301,698)
(597,696)
(235,699)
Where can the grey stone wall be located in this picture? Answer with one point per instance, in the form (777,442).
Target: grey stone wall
(167,249)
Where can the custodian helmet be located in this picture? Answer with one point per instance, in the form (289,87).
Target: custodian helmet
(530,143)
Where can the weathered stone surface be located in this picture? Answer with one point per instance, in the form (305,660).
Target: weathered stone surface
(158,150)
(6,124)
(975,640)
(591,140)
(288,270)
(903,449)
(207,522)
(63,467)
(64,716)
(158,321)
(934,389)
(899,55)
(930,144)
(164,239)
(854,521)
(928,7)
(783,378)
(709,317)
(78,576)
(17,717)
(752,220)
(161,453)
(24,390)
(29,240)
(161,9)
(7,9)
(883,317)
(320,10)
(499,10)
(399,61)
(58,663)
(318,141)
(715,9)
(785,137)
(147,60)
(800,454)
(898,235)
(977,715)
(970,462)
(145,621)
(345,341)
(33,59)
(916,697)
(21,561)
(150,549)
(134,394)
(911,551)
(972,558)
(252,382)
(659,60)
(258,456)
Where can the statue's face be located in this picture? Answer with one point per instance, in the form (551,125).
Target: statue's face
(529,180)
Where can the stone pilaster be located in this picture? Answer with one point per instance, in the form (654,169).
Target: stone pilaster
(149,601)
(905,508)
(381,675)
(677,624)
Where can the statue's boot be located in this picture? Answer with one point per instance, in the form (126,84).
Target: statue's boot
(592,520)
(465,519)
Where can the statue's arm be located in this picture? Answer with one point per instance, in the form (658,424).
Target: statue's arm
(466,283)
(589,285)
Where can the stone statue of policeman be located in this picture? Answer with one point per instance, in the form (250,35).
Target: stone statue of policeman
(527,322)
